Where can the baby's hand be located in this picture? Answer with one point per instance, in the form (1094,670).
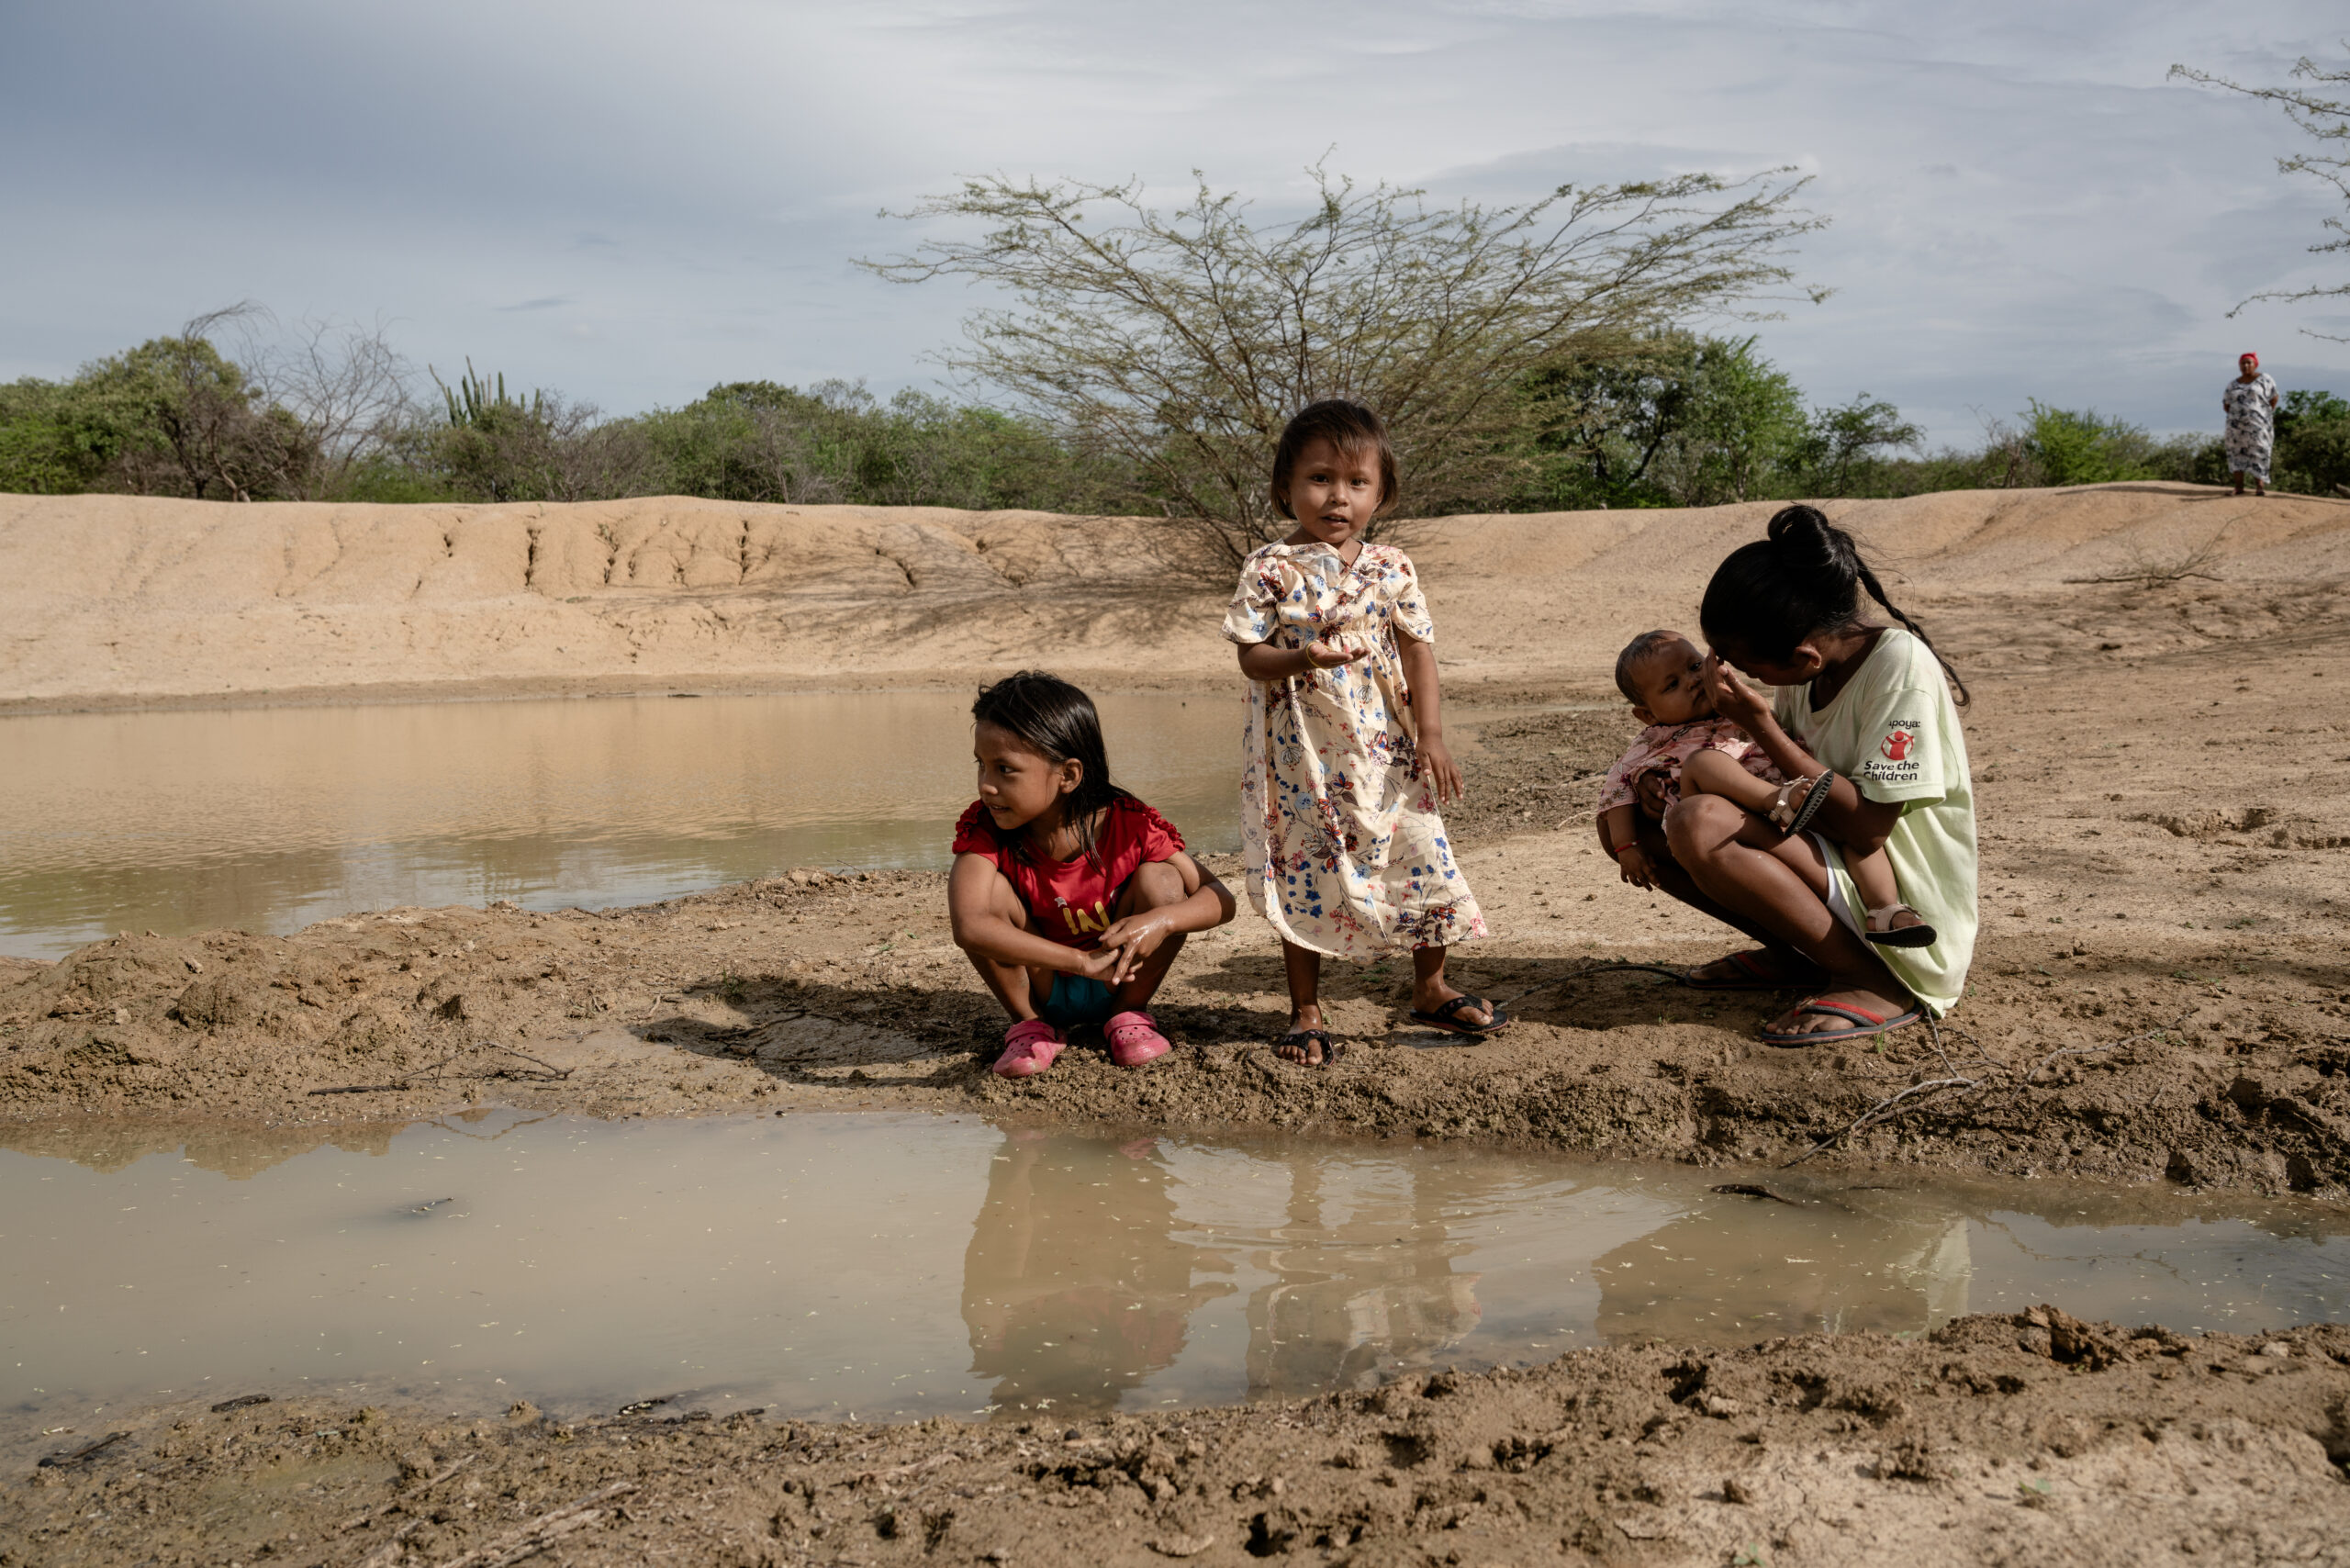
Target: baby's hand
(1636,866)
(1330,655)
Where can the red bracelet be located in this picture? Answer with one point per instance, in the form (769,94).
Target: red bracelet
(1619,853)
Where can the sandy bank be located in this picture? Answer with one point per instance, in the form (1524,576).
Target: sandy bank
(110,599)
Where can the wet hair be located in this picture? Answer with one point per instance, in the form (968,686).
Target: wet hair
(1634,650)
(1057,720)
(1351,428)
(1805,575)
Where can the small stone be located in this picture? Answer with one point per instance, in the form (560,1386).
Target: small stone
(1737,1490)
(1172,1545)
(193,966)
(2276,1347)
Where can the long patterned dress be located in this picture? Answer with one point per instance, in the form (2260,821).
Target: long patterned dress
(2252,425)
(1345,852)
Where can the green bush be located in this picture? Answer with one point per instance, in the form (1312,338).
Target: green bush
(2313,456)
(2078,447)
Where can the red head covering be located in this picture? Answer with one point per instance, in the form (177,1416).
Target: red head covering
(2248,354)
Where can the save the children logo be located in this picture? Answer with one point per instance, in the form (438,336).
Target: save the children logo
(1899,748)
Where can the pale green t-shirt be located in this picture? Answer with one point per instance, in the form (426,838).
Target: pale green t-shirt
(1894,732)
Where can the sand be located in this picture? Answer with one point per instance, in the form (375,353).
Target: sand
(2159,996)
(113,599)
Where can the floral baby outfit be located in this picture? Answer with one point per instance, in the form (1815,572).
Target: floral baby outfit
(1344,849)
(2252,425)
(1667,746)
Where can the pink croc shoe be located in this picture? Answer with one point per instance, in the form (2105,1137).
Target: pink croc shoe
(1135,1039)
(1029,1048)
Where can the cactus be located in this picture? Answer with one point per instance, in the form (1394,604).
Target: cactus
(472,404)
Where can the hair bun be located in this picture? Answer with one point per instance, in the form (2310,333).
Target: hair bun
(1803,538)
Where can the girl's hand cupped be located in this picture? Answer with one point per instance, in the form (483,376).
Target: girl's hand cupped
(1733,698)
(1131,940)
(1434,765)
(1329,655)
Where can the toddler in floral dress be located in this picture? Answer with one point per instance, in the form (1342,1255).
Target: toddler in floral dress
(1345,762)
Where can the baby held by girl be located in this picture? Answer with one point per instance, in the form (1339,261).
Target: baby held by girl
(1694,751)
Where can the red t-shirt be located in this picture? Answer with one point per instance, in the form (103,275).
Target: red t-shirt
(1071,900)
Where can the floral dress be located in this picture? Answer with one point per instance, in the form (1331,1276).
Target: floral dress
(2252,425)
(1345,852)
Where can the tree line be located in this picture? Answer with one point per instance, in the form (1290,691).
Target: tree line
(1685,420)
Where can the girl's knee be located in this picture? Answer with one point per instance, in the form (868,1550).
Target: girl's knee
(1156,885)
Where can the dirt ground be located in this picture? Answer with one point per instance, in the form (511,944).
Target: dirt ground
(2160,995)
(2160,991)
(2023,1439)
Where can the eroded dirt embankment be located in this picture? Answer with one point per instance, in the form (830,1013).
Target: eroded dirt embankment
(2032,1439)
(112,600)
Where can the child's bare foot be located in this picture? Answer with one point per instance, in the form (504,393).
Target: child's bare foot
(1307,1041)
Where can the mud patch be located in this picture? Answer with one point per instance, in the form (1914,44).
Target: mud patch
(1986,1441)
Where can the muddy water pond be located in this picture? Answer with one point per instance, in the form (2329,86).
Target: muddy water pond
(269,819)
(907,1265)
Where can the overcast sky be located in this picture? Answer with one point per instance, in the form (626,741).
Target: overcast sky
(633,202)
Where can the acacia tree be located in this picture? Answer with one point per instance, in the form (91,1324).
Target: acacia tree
(1179,344)
(2326,119)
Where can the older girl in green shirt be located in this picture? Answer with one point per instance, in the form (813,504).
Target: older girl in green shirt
(1865,722)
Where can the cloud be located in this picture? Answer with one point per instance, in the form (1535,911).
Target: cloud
(2022,207)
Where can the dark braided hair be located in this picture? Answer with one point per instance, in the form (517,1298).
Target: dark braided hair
(1805,575)
(1058,721)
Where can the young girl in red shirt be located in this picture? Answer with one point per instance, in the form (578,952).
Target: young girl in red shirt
(1071,897)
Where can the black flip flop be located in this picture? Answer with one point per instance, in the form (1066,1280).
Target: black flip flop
(1331,1049)
(1814,798)
(1446,1018)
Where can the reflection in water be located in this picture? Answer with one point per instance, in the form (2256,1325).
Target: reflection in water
(1075,1287)
(1838,1264)
(901,1265)
(1362,1276)
(272,818)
